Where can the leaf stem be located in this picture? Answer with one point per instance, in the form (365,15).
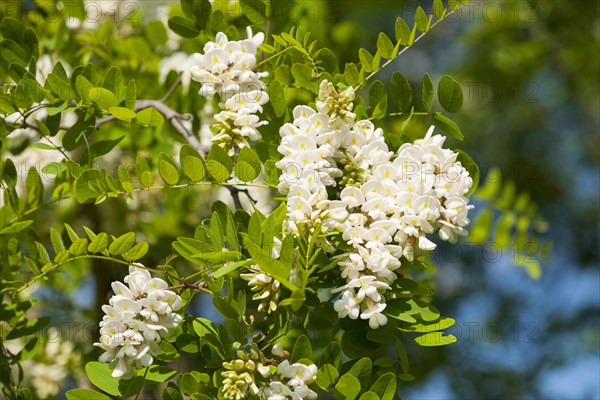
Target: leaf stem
(388,62)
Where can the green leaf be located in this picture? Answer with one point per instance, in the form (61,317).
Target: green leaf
(402,31)
(194,169)
(504,229)
(99,243)
(188,384)
(272,172)
(326,376)
(43,146)
(11,52)
(254,10)
(82,87)
(56,240)
(378,100)
(369,396)
(122,244)
(171,393)
(435,339)
(302,349)
(43,253)
(230,267)
(100,375)
(385,46)
(35,187)
(147,179)
(183,27)
(447,125)
(104,98)
(156,33)
(59,87)
(351,74)
(131,95)
(248,167)
(427,92)
(245,172)
(149,117)
(13,29)
(217,170)
(277,98)
(421,20)
(362,371)
(532,266)
(54,168)
(348,387)
(31,327)
(202,10)
(401,92)
(224,308)
(16,227)
(438,9)
(167,169)
(385,386)
(276,268)
(283,74)
(78,247)
(450,94)
(366,59)
(136,252)
(122,113)
(216,153)
(85,394)
(471,166)
(302,74)
(157,373)
(59,71)
(327,60)
(113,81)
(332,355)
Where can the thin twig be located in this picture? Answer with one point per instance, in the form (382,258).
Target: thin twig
(235,194)
(172,90)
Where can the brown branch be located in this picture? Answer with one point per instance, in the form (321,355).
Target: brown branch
(235,194)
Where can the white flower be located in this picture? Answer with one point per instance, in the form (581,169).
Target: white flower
(134,320)
(227,68)
(339,175)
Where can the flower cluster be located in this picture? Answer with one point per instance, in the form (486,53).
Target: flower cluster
(239,374)
(293,380)
(49,377)
(227,68)
(383,203)
(265,287)
(308,146)
(136,317)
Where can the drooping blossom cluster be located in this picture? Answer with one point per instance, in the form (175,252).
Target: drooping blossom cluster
(248,374)
(239,379)
(384,204)
(266,288)
(291,380)
(136,317)
(228,68)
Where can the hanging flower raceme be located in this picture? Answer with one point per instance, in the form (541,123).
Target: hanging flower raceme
(384,204)
(290,380)
(228,69)
(136,317)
